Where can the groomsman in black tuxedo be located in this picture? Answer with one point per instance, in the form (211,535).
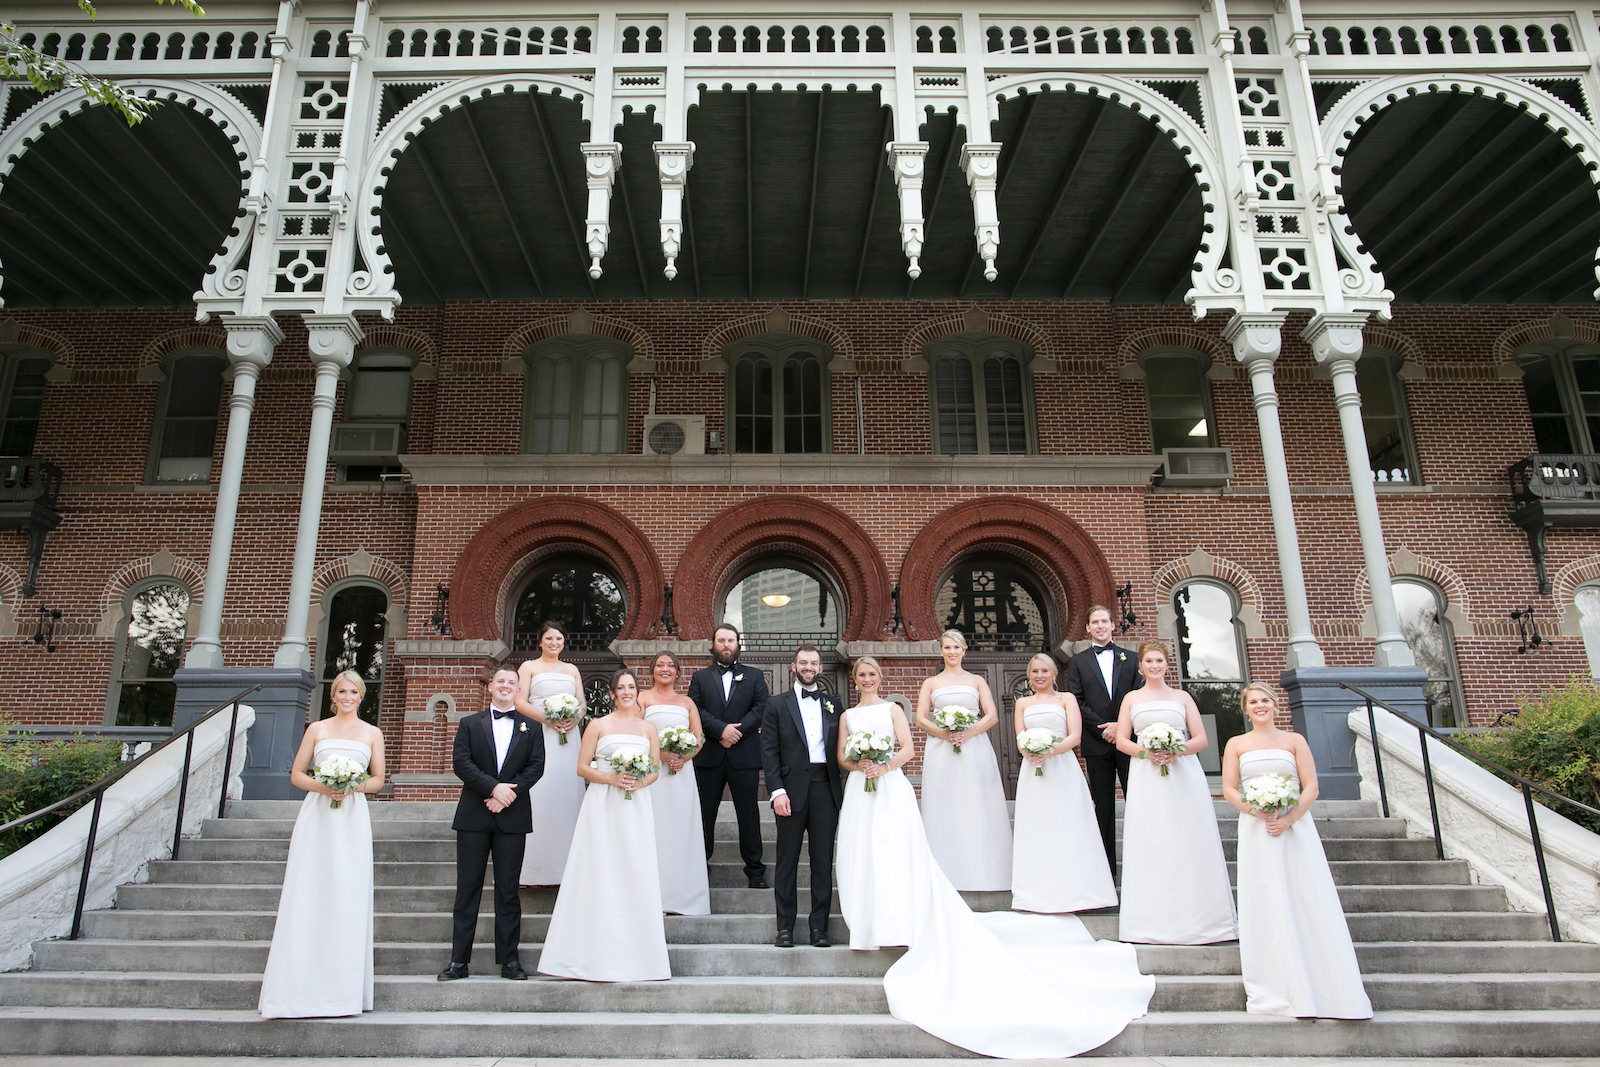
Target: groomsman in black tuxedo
(799,735)
(498,756)
(731,698)
(1099,677)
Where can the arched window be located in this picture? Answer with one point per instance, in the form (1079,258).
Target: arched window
(587,600)
(997,604)
(1561,380)
(149,650)
(1212,666)
(982,394)
(1391,448)
(778,395)
(1587,598)
(188,410)
(780,606)
(377,412)
(1432,640)
(356,626)
(22,380)
(1178,397)
(576,396)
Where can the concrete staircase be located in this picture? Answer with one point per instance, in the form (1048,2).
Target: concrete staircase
(174,968)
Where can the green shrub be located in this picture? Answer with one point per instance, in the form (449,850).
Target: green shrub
(1555,741)
(35,774)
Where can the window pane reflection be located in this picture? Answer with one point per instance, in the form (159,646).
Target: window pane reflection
(152,653)
(779,607)
(995,605)
(1427,632)
(356,628)
(1588,601)
(1211,662)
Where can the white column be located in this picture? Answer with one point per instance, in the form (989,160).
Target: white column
(1256,340)
(251,342)
(1335,339)
(332,341)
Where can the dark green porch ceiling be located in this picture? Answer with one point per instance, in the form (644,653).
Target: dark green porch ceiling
(1462,199)
(97,214)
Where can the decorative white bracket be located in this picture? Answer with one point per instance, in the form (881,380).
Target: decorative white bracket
(672,165)
(981,162)
(909,158)
(600,162)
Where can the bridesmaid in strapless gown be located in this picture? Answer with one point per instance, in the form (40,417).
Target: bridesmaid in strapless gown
(320,962)
(556,796)
(1294,944)
(680,840)
(1175,888)
(963,800)
(1055,866)
(999,983)
(606,925)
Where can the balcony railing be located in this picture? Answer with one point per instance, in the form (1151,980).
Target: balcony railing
(1553,489)
(29,487)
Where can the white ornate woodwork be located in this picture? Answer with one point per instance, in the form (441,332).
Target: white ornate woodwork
(908,159)
(672,166)
(600,162)
(981,164)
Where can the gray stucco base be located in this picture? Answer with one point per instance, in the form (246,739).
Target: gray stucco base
(280,706)
(1319,709)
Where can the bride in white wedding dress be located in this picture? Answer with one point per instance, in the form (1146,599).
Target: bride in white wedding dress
(1000,984)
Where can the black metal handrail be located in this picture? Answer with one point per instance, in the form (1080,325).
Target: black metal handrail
(1528,787)
(99,788)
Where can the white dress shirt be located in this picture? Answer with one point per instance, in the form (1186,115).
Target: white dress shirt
(727,682)
(811,719)
(502,737)
(1107,664)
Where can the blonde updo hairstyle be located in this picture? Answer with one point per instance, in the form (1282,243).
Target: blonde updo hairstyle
(348,676)
(954,635)
(865,661)
(1153,645)
(1047,659)
(1262,688)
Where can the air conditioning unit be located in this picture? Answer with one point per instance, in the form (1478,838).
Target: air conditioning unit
(365,444)
(674,435)
(1195,468)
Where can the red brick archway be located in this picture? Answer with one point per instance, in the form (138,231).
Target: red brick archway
(1064,556)
(807,528)
(502,551)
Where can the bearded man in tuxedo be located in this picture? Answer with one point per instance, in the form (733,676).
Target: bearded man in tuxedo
(731,698)
(1099,677)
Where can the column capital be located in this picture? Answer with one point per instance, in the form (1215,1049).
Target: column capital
(252,338)
(333,338)
(673,160)
(1255,336)
(1335,335)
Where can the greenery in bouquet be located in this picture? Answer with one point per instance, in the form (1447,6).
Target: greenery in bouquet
(1271,793)
(633,762)
(871,746)
(955,718)
(1036,741)
(1161,737)
(562,707)
(340,774)
(678,741)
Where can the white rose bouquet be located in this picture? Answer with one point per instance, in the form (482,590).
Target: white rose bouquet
(955,718)
(1038,742)
(1271,793)
(340,774)
(873,746)
(635,763)
(678,740)
(1160,737)
(561,707)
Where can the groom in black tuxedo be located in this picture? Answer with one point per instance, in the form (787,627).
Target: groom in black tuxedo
(731,698)
(498,756)
(1099,677)
(799,735)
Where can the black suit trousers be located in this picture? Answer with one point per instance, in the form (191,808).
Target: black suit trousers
(1106,766)
(474,850)
(743,783)
(818,822)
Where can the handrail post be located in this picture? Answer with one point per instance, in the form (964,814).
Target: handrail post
(1538,855)
(227,761)
(1433,803)
(83,877)
(183,791)
(1377,758)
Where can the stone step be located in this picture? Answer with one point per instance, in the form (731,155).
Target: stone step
(729,876)
(1377,957)
(736,995)
(152,896)
(117,924)
(648,1035)
(441,850)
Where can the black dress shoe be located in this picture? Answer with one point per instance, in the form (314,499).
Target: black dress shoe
(785,939)
(759,881)
(454,971)
(513,970)
(820,941)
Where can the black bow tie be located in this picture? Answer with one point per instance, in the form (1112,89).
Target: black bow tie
(498,714)
(1103,648)
(811,694)
(725,667)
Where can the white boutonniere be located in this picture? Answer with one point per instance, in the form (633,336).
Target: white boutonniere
(1122,657)
(738,677)
(522,727)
